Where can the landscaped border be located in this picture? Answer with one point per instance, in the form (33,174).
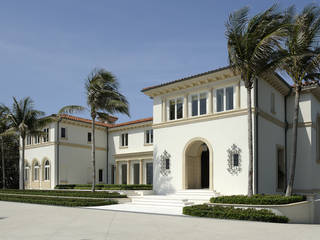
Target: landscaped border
(106,186)
(222,212)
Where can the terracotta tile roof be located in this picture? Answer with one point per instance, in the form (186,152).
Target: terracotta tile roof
(74,118)
(133,122)
(79,119)
(185,78)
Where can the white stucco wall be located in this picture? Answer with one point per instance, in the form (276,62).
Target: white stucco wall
(221,134)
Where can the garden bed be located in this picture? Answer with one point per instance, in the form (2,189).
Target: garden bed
(106,186)
(258,199)
(222,212)
(83,194)
(69,202)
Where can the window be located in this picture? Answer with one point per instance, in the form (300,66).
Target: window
(272,102)
(113,171)
(46,170)
(26,172)
(149,177)
(199,104)
(89,136)
(220,98)
(175,108)
(36,171)
(172,110)
(229,98)
(46,135)
(63,133)
(167,163)
(235,160)
(124,174)
(29,140)
(37,139)
(100,175)
(136,173)
(149,136)
(124,139)
(281,174)
(194,105)
(224,99)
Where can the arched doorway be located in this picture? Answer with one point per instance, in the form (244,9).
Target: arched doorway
(197,165)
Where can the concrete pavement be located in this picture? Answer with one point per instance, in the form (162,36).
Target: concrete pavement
(31,221)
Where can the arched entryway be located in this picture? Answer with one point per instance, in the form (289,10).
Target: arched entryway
(197,165)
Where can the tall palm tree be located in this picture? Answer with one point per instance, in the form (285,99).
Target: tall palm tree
(103,99)
(301,61)
(25,120)
(251,44)
(4,126)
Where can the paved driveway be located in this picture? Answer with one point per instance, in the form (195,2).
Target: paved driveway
(30,221)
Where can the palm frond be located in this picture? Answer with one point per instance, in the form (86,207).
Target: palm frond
(71,109)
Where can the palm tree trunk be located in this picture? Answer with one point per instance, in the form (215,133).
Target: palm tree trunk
(93,154)
(3,165)
(250,145)
(21,166)
(295,140)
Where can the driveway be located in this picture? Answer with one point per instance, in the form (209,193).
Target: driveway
(30,221)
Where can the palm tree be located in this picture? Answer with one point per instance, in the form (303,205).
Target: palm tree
(4,126)
(25,120)
(301,61)
(251,44)
(103,99)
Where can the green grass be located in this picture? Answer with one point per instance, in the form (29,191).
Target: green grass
(85,194)
(258,199)
(107,186)
(69,202)
(221,212)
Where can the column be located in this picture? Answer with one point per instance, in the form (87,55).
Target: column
(164,110)
(128,172)
(185,106)
(141,172)
(238,95)
(210,99)
(117,172)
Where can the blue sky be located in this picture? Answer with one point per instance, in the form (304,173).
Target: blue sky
(48,48)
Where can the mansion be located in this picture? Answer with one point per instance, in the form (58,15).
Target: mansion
(196,139)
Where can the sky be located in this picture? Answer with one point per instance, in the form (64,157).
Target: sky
(48,48)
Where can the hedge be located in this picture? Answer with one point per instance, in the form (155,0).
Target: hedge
(69,202)
(221,212)
(107,186)
(86,194)
(258,199)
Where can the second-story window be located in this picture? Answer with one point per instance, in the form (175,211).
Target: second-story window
(175,108)
(89,137)
(124,140)
(46,135)
(199,104)
(149,136)
(273,104)
(224,99)
(63,133)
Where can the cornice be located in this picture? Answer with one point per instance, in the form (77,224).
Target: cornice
(133,156)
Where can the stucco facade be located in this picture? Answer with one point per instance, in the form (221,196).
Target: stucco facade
(197,139)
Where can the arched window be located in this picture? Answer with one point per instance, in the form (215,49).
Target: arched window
(47,170)
(26,171)
(36,172)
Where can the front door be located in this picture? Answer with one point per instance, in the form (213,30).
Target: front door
(205,169)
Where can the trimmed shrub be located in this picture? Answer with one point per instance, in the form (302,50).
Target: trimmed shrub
(221,212)
(258,199)
(107,186)
(84,194)
(69,202)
